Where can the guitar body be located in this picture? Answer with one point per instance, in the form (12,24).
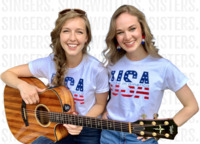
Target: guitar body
(25,123)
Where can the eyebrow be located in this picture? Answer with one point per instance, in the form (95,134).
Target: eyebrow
(76,29)
(80,29)
(132,26)
(128,27)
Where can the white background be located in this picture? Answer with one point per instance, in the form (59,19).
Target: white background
(25,35)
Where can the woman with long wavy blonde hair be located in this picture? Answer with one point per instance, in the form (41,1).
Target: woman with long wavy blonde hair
(59,54)
(138,76)
(111,53)
(71,66)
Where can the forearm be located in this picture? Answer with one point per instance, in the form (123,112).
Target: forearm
(11,79)
(190,105)
(99,106)
(96,110)
(11,76)
(185,114)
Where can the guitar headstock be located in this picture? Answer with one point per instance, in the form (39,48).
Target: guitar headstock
(157,128)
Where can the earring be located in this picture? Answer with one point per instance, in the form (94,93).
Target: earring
(143,39)
(118,47)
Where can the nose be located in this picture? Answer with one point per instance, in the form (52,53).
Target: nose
(127,36)
(72,36)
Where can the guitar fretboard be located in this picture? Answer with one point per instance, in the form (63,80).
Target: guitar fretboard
(88,121)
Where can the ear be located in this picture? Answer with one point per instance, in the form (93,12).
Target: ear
(86,39)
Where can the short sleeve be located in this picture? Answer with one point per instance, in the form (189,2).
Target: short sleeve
(102,81)
(39,67)
(174,78)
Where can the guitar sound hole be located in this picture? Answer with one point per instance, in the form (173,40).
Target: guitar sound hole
(42,115)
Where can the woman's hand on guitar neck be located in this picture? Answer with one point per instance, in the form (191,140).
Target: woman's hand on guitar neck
(73,129)
(29,93)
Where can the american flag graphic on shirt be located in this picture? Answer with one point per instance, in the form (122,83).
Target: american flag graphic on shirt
(78,98)
(130,91)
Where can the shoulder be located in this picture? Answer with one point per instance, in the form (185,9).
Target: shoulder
(93,63)
(91,60)
(159,61)
(48,59)
(162,64)
(119,62)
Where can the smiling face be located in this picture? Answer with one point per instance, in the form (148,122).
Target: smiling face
(73,36)
(129,33)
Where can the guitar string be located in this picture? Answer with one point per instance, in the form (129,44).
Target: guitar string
(121,128)
(73,117)
(135,131)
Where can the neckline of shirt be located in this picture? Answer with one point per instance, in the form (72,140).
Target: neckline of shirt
(134,62)
(77,68)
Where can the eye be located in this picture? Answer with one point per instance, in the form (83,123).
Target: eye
(65,31)
(80,32)
(118,33)
(132,29)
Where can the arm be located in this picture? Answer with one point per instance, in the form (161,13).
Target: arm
(100,100)
(11,76)
(96,110)
(190,106)
(105,113)
(99,106)
(28,92)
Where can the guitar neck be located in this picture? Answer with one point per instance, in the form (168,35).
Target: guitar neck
(164,128)
(90,122)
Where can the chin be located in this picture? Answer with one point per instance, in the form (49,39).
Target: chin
(130,50)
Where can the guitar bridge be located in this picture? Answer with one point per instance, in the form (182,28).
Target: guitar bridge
(24,113)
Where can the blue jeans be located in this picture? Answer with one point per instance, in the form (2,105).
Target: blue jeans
(115,137)
(87,136)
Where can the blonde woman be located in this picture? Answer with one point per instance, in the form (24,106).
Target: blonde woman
(68,65)
(138,76)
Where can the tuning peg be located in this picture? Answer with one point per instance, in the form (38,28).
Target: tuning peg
(143,116)
(142,133)
(154,134)
(166,135)
(155,116)
(166,123)
(153,123)
(141,123)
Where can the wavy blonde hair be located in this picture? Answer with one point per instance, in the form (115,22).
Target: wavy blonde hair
(60,58)
(111,54)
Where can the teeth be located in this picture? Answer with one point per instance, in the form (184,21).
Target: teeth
(129,43)
(72,45)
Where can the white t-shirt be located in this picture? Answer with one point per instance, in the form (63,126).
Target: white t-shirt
(84,81)
(137,87)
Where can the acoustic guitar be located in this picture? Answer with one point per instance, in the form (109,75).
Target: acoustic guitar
(28,122)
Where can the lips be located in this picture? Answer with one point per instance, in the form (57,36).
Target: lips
(72,46)
(129,44)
